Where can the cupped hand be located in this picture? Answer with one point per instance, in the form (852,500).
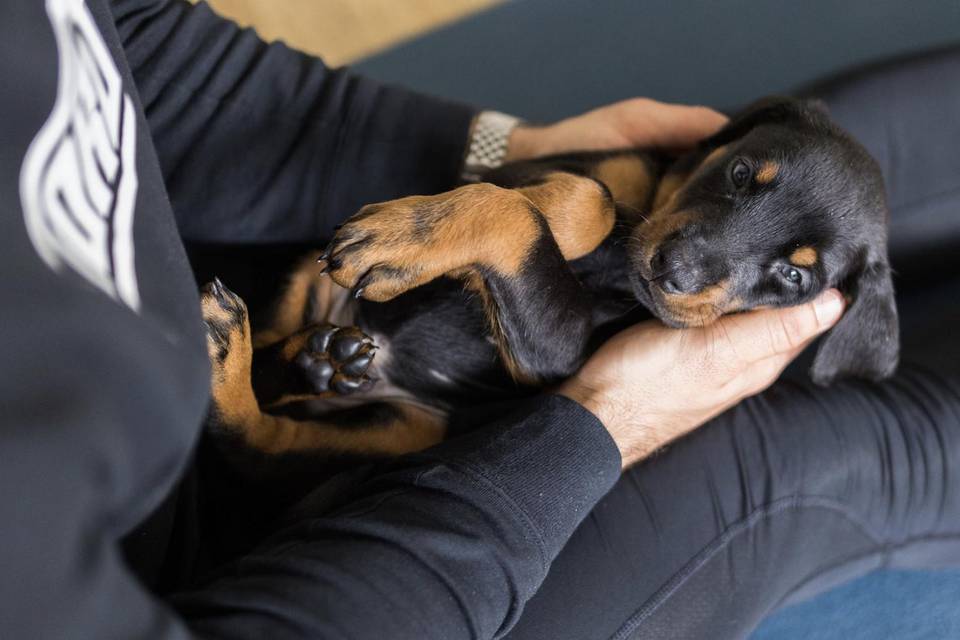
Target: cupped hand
(651,384)
(637,122)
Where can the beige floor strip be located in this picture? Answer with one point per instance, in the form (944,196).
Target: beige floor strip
(342,31)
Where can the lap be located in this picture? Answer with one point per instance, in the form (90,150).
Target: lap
(800,487)
(786,492)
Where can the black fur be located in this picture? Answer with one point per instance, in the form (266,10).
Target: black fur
(821,197)
(827,193)
(835,198)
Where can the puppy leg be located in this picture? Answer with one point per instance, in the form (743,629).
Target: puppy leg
(236,414)
(305,299)
(511,246)
(392,247)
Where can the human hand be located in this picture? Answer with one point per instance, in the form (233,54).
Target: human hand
(638,122)
(651,384)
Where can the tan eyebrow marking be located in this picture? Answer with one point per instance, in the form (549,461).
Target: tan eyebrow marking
(768,171)
(804,257)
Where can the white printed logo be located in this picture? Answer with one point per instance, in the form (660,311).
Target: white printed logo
(78,182)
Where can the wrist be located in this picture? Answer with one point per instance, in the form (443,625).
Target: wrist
(488,144)
(524,143)
(635,439)
(586,396)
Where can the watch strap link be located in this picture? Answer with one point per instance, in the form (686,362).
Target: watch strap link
(488,143)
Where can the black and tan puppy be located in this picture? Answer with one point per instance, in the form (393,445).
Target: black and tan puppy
(436,303)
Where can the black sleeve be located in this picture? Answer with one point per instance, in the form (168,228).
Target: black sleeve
(263,143)
(446,545)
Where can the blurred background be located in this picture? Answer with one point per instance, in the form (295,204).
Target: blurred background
(545,59)
(344,31)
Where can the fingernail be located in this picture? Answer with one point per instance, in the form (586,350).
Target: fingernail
(829,307)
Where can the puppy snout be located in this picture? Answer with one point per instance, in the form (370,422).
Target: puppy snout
(682,268)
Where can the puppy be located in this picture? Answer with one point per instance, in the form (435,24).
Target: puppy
(437,304)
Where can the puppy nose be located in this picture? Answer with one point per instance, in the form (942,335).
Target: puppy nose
(679,269)
(675,285)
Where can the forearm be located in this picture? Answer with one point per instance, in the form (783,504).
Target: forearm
(449,544)
(262,143)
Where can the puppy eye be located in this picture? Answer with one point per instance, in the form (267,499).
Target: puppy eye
(791,275)
(740,174)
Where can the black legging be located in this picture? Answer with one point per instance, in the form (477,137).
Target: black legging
(801,487)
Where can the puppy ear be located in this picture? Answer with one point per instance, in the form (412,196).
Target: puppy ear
(817,105)
(770,110)
(865,343)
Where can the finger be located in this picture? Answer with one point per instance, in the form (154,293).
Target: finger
(683,126)
(755,336)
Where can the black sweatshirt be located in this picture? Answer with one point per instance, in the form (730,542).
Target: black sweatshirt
(124,127)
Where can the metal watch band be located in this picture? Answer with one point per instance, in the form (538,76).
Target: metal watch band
(488,143)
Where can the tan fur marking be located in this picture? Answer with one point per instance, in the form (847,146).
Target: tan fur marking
(628,179)
(328,300)
(416,239)
(768,171)
(665,218)
(293,345)
(804,257)
(414,430)
(288,311)
(290,398)
(423,237)
(237,410)
(473,281)
(713,155)
(230,380)
(668,186)
(702,308)
(579,213)
(660,225)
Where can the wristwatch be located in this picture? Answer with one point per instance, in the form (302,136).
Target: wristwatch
(488,143)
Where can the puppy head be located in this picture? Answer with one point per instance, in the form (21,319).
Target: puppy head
(775,208)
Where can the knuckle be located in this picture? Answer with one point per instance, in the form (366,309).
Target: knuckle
(792,330)
(788,331)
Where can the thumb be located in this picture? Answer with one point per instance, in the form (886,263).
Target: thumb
(760,334)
